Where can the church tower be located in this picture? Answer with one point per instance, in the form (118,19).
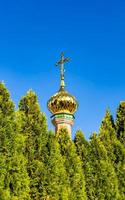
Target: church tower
(62,105)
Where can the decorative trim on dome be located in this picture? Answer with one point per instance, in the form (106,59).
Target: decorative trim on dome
(62,102)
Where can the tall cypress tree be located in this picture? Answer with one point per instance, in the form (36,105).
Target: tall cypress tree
(34,128)
(14,181)
(73,167)
(120,122)
(107,134)
(56,179)
(115,149)
(100,172)
(82,147)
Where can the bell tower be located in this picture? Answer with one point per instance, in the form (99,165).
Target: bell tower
(62,105)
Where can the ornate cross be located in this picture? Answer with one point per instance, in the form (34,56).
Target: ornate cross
(62,70)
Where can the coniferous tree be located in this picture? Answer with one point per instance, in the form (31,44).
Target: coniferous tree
(35,165)
(81,147)
(120,122)
(100,173)
(56,179)
(82,150)
(34,128)
(107,134)
(115,149)
(73,167)
(14,181)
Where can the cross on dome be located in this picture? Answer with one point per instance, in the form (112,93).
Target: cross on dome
(62,70)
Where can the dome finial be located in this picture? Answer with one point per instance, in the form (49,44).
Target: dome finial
(62,105)
(61,64)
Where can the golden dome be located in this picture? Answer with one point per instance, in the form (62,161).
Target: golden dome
(62,102)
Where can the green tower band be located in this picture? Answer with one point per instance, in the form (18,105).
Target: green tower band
(62,105)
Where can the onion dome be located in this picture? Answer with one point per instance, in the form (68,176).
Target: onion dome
(62,101)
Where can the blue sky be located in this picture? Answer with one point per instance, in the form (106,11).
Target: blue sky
(91,33)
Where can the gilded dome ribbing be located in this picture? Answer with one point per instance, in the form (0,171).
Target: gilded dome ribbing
(62,102)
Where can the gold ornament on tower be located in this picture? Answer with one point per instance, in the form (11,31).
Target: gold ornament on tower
(62,102)
(62,105)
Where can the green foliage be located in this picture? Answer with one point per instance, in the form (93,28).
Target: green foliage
(100,173)
(115,149)
(107,128)
(120,122)
(56,179)
(14,181)
(101,181)
(119,149)
(107,134)
(37,165)
(34,128)
(81,147)
(73,167)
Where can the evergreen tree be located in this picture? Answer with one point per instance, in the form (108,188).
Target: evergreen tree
(115,149)
(34,128)
(100,173)
(120,122)
(82,147)
(37,165)
(73,167)
(14,181)
(56,179)
(107,134)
